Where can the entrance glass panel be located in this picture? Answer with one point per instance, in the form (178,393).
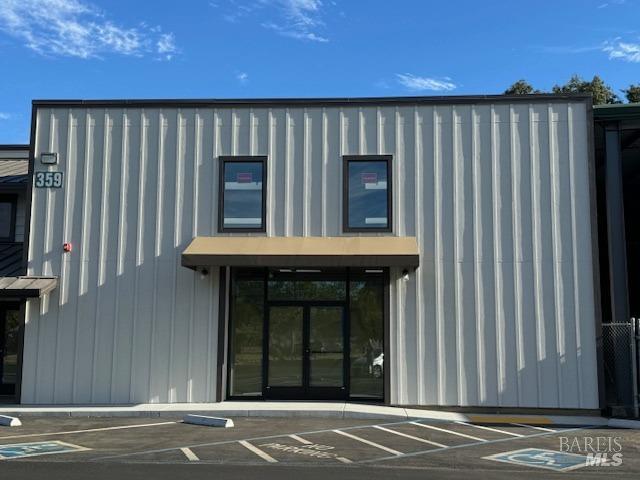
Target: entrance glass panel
(9,333)
(285,346)
(326,342)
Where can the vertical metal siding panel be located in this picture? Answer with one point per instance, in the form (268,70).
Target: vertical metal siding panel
(368,144)
(503,221)
(332,187)
(76,228)
(543,264)
(279,168)
(350,131)
(32,319)
(563,261)
(464,266)
(89,251)
(126,258)
(446,332)
(49,310)
(63,382)
(523,256)
(206,202)
(241,132)
(425,209)
(485,258)
(295,207)
(583,268)
(406,162)
(106,294)
(314,197)
(148,211)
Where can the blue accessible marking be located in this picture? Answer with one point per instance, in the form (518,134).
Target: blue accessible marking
(540,458)
(34,449)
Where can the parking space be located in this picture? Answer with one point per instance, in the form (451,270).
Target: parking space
(300,441)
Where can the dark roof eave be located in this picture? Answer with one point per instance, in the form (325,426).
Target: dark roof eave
(280,102)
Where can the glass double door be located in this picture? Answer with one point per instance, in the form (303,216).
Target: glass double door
(305,351)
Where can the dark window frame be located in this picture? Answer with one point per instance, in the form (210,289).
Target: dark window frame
(13,200)
(223,160)
(346,160)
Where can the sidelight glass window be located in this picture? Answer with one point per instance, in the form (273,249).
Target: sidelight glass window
(247,314)
(367,193)
(366,292)
(242,193)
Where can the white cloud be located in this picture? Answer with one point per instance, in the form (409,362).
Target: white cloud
(74,28)
(166,46)
(620,50)
(242,77)
(299,19)
(5,116)
(416,83)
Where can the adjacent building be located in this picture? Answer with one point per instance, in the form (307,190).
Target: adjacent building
(432,251)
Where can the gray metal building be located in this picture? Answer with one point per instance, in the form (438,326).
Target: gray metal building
(485,271)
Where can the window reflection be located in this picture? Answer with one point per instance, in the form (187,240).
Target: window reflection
(368,195)
(247,313)
(367,336)
(243,194)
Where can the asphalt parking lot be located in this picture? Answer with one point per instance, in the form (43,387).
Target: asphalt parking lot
(351,448)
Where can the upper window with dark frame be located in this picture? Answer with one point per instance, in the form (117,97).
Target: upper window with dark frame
(242,194)
(367,193)
(7,218)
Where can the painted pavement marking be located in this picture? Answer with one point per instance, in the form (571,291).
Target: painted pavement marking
(467,445)
(544,429)
(73,432)
(192,457)
(418,439)
(368,442)
(309,449)
(444,430)
(262,454)
(35,449)
(300,439)
(311,432)
(496,430)
(541,458)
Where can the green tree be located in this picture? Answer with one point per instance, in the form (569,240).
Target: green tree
(633,93)
(521,87)
(600,91)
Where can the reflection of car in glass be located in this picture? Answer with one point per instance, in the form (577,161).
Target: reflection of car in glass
(377,366)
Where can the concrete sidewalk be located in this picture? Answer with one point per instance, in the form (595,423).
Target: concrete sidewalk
(303,409)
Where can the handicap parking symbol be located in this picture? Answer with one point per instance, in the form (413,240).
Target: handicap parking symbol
(34,449)
(540,458)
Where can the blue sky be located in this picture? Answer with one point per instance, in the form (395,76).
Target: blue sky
(298,48)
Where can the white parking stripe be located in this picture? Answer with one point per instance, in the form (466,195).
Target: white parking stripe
(482,427)
(544,429)
(192,457)
(300,439)
(257,451)
(368,442)
(417,439)
(71,432)
(444,430)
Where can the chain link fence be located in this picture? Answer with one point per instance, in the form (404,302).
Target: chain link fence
(620,342)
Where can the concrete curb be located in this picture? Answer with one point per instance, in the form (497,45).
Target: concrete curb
(7,421)
(208,421)
(308,410)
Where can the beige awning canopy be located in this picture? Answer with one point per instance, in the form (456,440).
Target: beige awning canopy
(302,252)
(26,287)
